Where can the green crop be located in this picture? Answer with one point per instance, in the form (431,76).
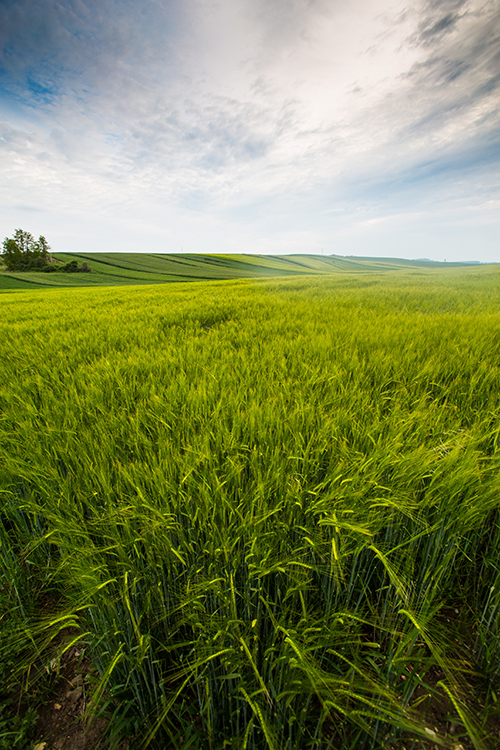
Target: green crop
(257,503)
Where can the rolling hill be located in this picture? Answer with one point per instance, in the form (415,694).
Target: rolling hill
(111,269)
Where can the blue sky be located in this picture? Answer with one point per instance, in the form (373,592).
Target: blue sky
(355,127)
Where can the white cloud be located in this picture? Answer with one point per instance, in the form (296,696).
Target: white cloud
(244,123)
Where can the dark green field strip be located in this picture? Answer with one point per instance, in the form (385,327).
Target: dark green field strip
(206,266)
(223,267)
(197,267)
(207,263)
(324,264)
(147,267)
(134,263)
(264,265)
(114,265)
(34,280)
(148,264)
(258,265)
(294,262)
(10,282)
(269,264)
(244,268)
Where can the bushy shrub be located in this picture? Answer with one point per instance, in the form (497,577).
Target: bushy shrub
(73,267)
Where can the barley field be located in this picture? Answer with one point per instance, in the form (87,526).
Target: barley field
(267,509)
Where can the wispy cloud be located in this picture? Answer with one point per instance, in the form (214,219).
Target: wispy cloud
(246,125)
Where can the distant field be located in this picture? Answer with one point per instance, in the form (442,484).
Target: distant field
(111,269)
(267,510)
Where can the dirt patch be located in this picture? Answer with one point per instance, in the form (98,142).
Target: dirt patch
(440,717)
(63,723)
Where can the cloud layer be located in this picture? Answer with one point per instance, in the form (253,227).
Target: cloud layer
(253,126)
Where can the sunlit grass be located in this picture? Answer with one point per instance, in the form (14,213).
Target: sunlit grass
(255,498)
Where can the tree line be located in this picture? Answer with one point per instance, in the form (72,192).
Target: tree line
(22,252)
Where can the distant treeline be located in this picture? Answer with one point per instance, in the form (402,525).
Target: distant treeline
(23,253)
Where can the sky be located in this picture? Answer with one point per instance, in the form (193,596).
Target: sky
(352,127)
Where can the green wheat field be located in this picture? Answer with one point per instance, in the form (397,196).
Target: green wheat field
(268,508)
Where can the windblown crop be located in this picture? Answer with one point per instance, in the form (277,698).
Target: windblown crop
(257,501)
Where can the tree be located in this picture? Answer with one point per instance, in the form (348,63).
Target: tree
(11,254)
(23,253)
(43,247)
